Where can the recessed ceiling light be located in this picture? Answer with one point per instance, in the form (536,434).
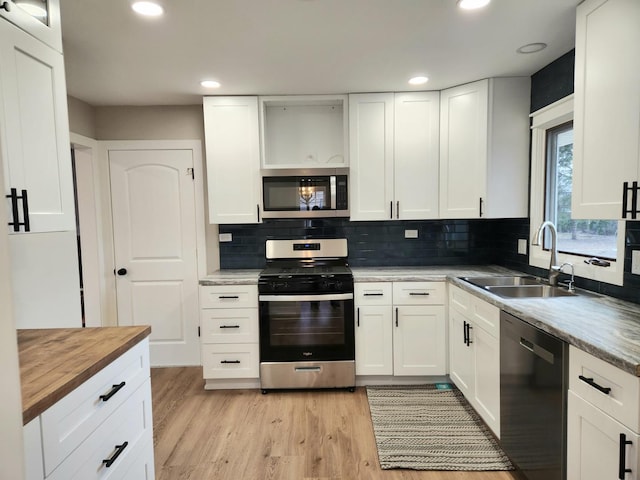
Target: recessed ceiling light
(472,4)
(210,84)
(418,80)
(532,47)
(149,9)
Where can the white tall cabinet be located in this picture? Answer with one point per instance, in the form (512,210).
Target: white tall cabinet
(233,159)
(484,149)
(35,150)
(394,156)
(607,102)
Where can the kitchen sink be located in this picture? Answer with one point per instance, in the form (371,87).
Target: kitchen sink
(518,287)
(502,281)
(529,291)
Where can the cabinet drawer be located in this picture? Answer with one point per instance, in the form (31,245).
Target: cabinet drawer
(376,293)
(131,423)
(229,325)
(623,400)
(229,296)
(460,300)
(481,313)
(226,360)
(419,293)
(72,419)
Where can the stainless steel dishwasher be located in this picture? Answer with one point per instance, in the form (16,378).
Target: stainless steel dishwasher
(533,405)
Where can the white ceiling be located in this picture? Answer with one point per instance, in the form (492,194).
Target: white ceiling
(274,47)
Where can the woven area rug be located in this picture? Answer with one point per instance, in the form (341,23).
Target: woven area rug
(431,427)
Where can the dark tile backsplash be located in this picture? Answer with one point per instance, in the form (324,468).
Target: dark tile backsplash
(439,242)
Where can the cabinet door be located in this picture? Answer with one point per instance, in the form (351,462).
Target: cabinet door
(35,129)
(606,124)
(463,149)
(233,159)
(593,443)
(47,31)
(487,377)
(416,161)
(461,355)
(374,345)
(419,341)
(371,154)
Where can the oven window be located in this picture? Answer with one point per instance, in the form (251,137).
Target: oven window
(298,324)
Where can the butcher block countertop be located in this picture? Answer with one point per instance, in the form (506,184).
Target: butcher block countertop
(53,362)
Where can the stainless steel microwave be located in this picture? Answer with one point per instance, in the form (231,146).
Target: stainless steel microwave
(305,196)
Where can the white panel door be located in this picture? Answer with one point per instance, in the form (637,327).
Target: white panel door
(155,250)
(34,129)
(419,341)
(374,345)
(416,161)
(463,149)
(371,156)
(461,355)
(487,378)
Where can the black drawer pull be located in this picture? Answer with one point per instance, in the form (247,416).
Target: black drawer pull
(228,297)
(230,361)
(114,389)
(229,326)
(622,459)
(373,294)
(424,294)
(119,449)
(605,390)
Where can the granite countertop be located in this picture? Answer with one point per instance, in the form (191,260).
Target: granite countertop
(54,361)
(423,274)
(231,277)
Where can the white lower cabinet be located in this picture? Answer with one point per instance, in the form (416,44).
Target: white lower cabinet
(474,346)
(400,328)
(101,430)
(229,336)
(602,420)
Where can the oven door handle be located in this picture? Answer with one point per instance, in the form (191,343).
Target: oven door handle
(305,298)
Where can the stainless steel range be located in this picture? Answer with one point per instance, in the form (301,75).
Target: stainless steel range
(306,316)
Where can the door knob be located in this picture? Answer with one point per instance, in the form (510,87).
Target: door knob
(122,271)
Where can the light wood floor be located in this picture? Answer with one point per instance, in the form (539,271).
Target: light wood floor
(244,435)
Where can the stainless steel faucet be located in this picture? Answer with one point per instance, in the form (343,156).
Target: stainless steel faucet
(554,269)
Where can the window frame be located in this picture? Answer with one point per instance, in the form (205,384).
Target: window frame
(544,119)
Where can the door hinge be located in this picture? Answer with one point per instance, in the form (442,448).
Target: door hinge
(198,331)
(191,172)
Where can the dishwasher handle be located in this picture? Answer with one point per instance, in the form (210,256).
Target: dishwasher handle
(537,350)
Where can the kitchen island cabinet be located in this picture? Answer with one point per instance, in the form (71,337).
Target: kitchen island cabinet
(87,403)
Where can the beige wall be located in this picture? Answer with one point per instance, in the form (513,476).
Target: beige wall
(82,117)
(150,123)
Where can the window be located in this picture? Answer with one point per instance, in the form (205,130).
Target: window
(551,185)
(588,238)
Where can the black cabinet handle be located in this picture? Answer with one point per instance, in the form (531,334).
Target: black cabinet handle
(119,449)
(396,316)
(114,389)
(423,294)
(391,210)
(230,361)
(16,223)
(14,207)
(469,341)
(258,212)
(398,209)
(466,327)
(358,317)
(229,326)
(605,390)
(228,297)
(633,209)
(6,6)
(481,207)
(373,294)
(622,460)
(464,332)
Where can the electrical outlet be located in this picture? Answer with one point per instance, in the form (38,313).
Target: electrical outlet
(411,234)
(522,246)
(635,262)
(225,237)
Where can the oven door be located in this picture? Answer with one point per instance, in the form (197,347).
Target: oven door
(306,327)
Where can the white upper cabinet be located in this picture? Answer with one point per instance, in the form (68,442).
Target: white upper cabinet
(233,159)
(304,131)
(34,131)
(394,156)
(43,24)
(484,149)
(607,102)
